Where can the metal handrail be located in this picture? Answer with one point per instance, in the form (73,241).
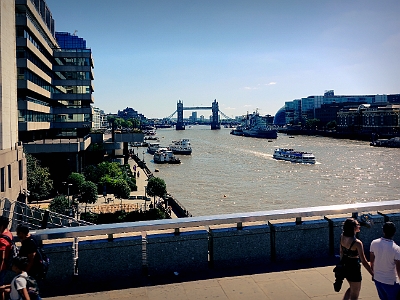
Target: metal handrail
(239,218)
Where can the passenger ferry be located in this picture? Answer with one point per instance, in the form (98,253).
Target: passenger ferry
(294,156)
(181,147)
(165,156)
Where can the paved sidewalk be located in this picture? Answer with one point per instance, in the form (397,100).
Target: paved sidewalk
(313,283)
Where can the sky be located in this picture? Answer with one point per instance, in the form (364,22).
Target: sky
(248,55)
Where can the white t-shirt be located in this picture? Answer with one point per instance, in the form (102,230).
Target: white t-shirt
(386,252)
(20,283)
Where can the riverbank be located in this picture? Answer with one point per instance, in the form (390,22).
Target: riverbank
(177,209)
(360,136)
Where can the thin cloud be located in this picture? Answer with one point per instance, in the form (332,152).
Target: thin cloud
(271,83)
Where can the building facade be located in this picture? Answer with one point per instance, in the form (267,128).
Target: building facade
(326,107)
(54,89)
(12,159)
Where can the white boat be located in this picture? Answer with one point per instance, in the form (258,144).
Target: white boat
(153,147)
(294,156)
(165,156)
(181,147)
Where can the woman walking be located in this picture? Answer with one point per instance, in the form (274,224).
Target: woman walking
(351,252)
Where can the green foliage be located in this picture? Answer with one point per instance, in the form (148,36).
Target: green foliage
(331,124)
(88,193)
(107,168)
(122,216)
(77,180)
(156,187)
(59,204)
(108,174)
(312,123)
(121,189)
(39,183)
(91,174)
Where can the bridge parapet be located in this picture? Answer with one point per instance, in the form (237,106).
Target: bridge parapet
(162,247)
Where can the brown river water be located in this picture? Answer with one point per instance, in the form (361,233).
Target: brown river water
(233,174)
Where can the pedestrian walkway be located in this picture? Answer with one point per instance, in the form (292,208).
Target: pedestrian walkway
(312,283)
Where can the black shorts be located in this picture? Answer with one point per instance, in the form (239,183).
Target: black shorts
(352,270)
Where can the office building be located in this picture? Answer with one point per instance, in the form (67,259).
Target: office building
(12,160)
(55,75)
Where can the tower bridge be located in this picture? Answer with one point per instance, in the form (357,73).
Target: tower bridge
(215,123)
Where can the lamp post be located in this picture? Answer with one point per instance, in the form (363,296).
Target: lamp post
(69,202)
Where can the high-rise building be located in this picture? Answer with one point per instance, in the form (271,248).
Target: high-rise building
(55,75)
(12,160)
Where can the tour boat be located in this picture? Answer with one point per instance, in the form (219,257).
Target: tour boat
(181,147)
(294,156)
(164,156)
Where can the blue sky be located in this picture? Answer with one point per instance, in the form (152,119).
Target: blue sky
(246,54)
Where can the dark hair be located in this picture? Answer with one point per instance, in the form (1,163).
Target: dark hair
(21,262)
(23,229)
(389,229)
(348,227)
(4,221)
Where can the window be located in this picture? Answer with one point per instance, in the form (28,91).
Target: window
(2,178)
(9,176)
(21,170)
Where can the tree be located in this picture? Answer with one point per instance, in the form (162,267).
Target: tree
(39,183)
(331,124)
(59,204)
(121,189)
(156,187)
(88,193)
(312,123)
(77,180)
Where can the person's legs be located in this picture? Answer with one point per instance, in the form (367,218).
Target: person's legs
(355,288)
(2,276)
(387,291)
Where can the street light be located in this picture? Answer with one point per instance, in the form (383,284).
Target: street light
(68,185)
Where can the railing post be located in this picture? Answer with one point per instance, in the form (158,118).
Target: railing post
(45,219)
(75,255)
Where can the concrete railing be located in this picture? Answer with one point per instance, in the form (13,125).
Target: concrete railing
(98,254)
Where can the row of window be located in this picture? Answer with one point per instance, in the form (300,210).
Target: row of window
(25,74)
(34,116)
(74,75)
(73,61)
(26,53)
(8,176)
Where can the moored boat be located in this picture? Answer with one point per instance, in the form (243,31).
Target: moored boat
(255,126)
(164,156)
(294,156)
(153,147)
(181,147)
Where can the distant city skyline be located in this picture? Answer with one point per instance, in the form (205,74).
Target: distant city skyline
(247,55)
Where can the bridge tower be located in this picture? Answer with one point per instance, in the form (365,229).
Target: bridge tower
(215,120)
(179,123)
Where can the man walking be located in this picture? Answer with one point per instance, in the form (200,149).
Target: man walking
(385,262)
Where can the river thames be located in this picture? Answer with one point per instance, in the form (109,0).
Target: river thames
(232,174)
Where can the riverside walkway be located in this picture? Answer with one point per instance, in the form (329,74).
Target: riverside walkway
(314,283)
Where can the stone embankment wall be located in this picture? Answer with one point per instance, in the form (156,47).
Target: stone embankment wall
(184,251)
(179,210)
